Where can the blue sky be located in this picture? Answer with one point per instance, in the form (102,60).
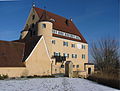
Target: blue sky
(94,18)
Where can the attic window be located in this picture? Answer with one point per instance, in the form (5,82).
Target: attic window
(52,19)
(67,22)
(33,17)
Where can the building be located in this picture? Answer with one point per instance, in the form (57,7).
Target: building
(46,43)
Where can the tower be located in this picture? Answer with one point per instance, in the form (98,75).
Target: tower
(45,27)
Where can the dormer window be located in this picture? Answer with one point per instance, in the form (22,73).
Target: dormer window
(67,22)
(43,25)
(52,19)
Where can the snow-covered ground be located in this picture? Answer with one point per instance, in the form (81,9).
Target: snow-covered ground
(52,84)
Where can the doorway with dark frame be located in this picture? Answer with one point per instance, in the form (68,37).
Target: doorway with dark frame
(89,70)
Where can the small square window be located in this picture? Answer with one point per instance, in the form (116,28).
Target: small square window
(77,66)
(65,43)
(43,25)
(73,45)
(68,55)
(83,56)
(53,41)
(56,53)
(83,46)
(74,55)
(62,66)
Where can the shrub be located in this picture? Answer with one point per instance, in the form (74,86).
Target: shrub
(37,76)
(108,79)
(75,74)
(2,77)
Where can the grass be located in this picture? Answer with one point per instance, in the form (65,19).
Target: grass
(108,79)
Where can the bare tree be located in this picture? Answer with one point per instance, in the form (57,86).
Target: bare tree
(105,54)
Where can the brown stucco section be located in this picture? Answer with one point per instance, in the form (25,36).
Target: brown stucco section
(11,54)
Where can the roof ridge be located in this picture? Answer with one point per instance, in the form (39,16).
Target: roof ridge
(52,13)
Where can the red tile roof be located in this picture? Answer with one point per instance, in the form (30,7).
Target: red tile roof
(14,53)
(60,23)
(29,45)
(11,54)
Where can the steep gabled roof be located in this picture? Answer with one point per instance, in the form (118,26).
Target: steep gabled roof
(11,54)
(60,23)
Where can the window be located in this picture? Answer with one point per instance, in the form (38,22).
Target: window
(33,17)
(66,55)
(43,25)
(83,56)
(56,53)
(74,55)
(65,43)
(62,66)
(53,41)
(52,20)
(83,46)
(77,66)
(73,45)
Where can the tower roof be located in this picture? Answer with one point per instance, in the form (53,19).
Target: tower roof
(59,23)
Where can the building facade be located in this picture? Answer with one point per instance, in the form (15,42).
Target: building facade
(49,41)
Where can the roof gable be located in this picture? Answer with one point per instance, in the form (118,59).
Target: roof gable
(60,23)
